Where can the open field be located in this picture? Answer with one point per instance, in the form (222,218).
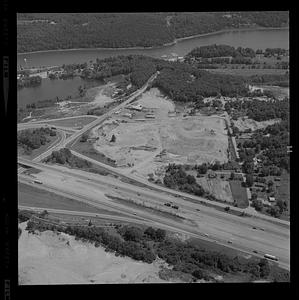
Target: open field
(31,196)
(48,258)
(217,187)
(246,123)
(248,72)
(284,189)
(73,122)
(239,193)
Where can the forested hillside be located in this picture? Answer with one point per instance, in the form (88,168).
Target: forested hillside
(41,31)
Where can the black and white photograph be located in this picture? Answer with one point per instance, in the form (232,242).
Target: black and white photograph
(153,147)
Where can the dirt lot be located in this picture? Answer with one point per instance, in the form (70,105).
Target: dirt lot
(246,123)
(140,140)
(47,259)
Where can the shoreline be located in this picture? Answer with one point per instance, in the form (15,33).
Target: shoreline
(162,46)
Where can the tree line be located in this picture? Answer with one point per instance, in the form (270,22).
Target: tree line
(149,243)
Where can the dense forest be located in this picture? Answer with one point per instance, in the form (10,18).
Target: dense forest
(30,139)
(149,243)
(261,110)
(189,86)
(45,31)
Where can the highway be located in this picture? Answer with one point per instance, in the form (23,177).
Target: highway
(246,234)
(220,226)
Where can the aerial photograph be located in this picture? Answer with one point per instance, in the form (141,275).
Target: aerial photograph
(153,147)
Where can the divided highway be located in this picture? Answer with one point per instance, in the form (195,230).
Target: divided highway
(244,233)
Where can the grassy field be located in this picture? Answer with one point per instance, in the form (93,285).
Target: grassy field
(31,196)
(239,193)
(73,122)
(283,191)
(248,72)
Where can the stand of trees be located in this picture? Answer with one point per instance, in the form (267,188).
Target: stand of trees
(64,156)
(31,139)
(29,81)
(261,110)
(220,51)
(176,178)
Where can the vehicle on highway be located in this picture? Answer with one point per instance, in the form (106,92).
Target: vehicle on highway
(271,257)
(134,214)
(197,209)
(229,242)
(138,194)
(254,228)
(175,207)
(254,251)
(37,181)
(53,127)
(167,204)
(205,234)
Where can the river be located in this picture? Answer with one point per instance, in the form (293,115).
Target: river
(256,39)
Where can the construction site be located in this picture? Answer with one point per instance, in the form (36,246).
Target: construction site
(148,134)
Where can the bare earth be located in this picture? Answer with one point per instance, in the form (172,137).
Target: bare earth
(252,124)
(45,258)
(140,140)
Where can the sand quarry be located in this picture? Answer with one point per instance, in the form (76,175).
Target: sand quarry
(246,123)
(45,258)
(144,145)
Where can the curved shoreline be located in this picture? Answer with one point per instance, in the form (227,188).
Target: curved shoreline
(162,46)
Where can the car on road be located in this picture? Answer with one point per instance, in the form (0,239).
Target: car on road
(197,209)
(254,228)
(229,242)
(254,251)
(205,234)
(134,214)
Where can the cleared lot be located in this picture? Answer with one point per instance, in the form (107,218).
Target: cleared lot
(149,139)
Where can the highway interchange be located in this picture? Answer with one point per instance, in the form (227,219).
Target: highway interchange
(263,234)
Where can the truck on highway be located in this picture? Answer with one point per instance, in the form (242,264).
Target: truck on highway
(37,181)
(272,257)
